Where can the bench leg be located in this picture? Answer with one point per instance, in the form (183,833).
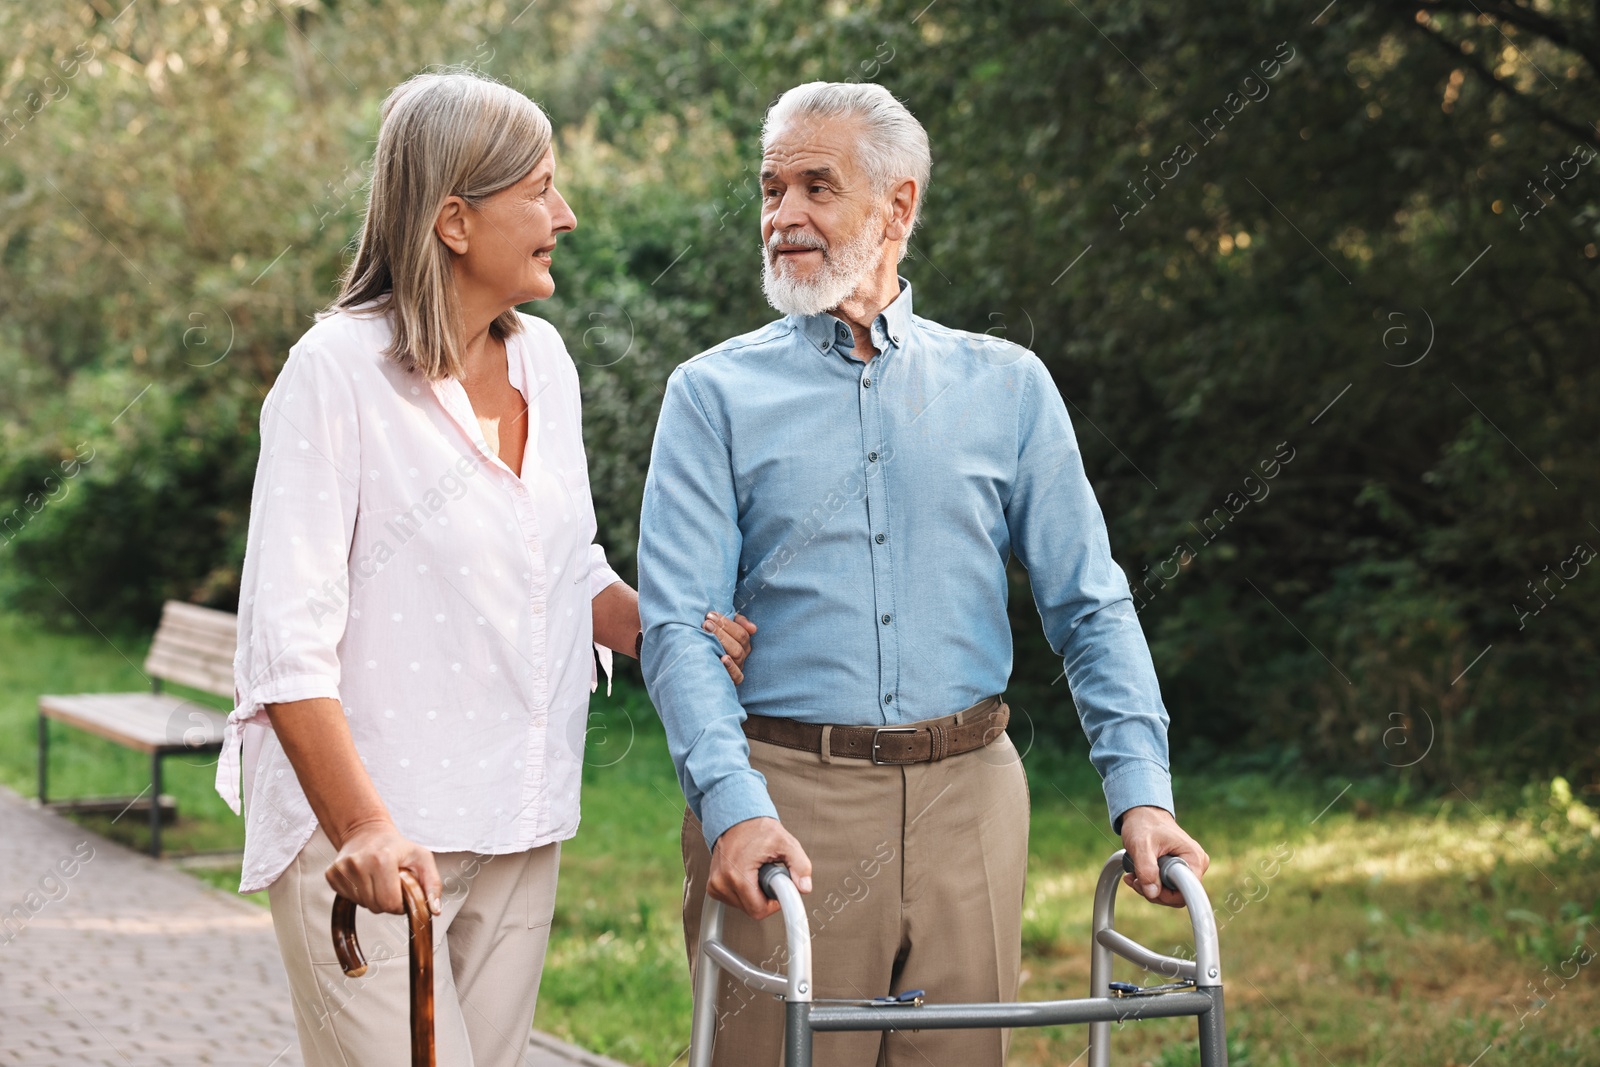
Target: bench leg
(44,759)
(155,805)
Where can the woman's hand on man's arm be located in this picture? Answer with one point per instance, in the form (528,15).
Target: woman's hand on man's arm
(616,626)
(734,634)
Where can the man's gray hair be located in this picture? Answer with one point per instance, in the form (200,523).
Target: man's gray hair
(893,145)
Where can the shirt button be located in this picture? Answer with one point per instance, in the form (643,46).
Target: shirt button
(522,490)
(886,620)
(880,539)
(888,698)
(866,383)
(872,457)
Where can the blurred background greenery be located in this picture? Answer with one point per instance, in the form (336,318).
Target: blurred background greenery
(1393,215)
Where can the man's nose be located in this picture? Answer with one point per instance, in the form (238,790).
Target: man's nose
(791,213)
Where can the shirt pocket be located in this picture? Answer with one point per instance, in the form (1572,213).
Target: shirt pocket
(575,482)
(575,479)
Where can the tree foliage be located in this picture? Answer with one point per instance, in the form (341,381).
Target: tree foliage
(1363,239)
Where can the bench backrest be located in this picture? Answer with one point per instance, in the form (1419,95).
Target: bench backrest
(194,646)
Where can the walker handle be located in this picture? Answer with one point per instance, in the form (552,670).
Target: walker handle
(1164,864)
(768,872)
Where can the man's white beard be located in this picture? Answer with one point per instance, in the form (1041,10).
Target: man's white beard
(844,269)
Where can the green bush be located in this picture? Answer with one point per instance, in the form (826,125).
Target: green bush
(1350,269)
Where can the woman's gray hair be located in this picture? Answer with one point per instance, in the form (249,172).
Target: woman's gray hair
(455,133)
(893,145)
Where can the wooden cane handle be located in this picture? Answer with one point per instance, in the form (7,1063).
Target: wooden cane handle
(348,949)
(345,945)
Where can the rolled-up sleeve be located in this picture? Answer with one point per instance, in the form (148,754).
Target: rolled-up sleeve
(294,589)
(601,576)
(689,545)
(1059,534)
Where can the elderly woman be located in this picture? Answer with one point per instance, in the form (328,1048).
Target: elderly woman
(420,594)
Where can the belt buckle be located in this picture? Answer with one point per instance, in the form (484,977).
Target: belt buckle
(890,730)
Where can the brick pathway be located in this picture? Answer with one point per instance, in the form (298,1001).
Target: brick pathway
(109,957)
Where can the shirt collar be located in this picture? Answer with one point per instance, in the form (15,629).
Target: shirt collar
(891,326)
(452,396)
(514,369)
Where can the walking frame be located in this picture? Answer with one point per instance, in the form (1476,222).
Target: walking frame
(1194,987)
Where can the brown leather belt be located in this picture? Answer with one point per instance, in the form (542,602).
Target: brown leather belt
(923,742)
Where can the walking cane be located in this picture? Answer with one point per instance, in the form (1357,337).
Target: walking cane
(355,965)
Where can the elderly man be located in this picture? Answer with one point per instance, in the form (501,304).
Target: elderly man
(858,477)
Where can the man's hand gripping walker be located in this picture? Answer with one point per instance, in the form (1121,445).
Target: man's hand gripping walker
(1195,986)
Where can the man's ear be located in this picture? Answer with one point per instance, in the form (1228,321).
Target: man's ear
(451,225)
(902,205)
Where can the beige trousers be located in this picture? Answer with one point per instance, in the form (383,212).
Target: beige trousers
(489,947)
(917,884)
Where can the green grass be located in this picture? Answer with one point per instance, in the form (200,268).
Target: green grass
(616,978)
(1385,930)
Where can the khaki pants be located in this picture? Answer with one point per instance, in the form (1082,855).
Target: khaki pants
(489,947)
(917,884)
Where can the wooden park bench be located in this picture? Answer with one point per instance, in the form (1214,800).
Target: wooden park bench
(193,646)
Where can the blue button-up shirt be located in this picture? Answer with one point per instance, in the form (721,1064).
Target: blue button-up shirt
(862,514)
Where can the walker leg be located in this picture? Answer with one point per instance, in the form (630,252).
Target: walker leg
(1104,914)
(707,980)
(1213,1033)
(797,1034)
